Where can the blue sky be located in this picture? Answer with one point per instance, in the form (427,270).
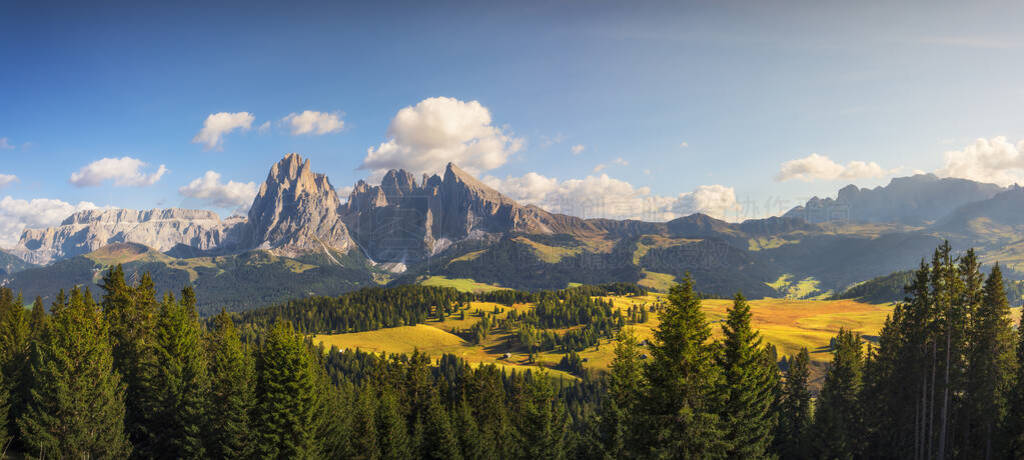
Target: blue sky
(745,85)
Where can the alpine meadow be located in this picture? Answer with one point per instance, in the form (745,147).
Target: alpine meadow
(533,230)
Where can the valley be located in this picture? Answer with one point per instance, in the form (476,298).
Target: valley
(789,325)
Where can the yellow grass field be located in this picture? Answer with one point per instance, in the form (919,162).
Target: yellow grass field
(788,324)
(431,340)
(460,284)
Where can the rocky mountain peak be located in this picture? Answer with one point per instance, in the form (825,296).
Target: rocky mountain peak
(397,183)
(297,210)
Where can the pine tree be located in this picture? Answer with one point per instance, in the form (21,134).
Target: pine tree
(131,314)
(749,385)
(77,406)
(487,396)
(231,391)
(681,403)
(468,431)
(285,396)
(365,431)
(394,439)
(991,367)
(1014,429)
(837,419)
(791,437)
(439,441)
(540,419)
(177,385)
(37,318)
(15,340)
(616,433)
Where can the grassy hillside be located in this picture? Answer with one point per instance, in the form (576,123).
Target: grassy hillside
(787,324)
(460,284)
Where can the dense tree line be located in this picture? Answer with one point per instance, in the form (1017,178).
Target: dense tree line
(376,308)
(134,374)
(944,381)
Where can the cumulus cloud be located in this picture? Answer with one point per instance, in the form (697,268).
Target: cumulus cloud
(264,128)
(7,179)
(210,189)
(425,137)
(818,167)
(219,124)
(600,167)
(994,160)
(577,149)
(604,196)
(124,171)
(16,215)
(619,161)
(5,144)
(310,122)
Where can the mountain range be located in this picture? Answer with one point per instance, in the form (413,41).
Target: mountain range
(299,238)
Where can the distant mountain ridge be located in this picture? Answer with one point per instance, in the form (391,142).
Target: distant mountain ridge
(915,200)
(300,238)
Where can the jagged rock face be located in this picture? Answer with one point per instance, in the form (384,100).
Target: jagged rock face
(914,200)
(297,211)
(161,229)
(402,220)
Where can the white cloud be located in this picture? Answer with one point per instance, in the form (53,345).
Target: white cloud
(310,122)
(603,196)
(225,195)
(994,160)
(343,192)
(819,167)
(619,161)
(577,149)
(264,128)
(16,215)
(5,144)
(684,144)
(425,137)
(7,179)
(219,124)
(124,171)
(600,167)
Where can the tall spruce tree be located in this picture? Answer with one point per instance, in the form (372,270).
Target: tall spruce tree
(231,392)
(616,427)
(791,438)
(15,341)
(541,422)
(991,368)
(77,406)
(37,318)
(285,396)
(682,400)
(838,418)
(178,384)
(394,438)
(1014,426)
(749,385)
(468,431)
(366,437)
(131,314)
(440,441)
